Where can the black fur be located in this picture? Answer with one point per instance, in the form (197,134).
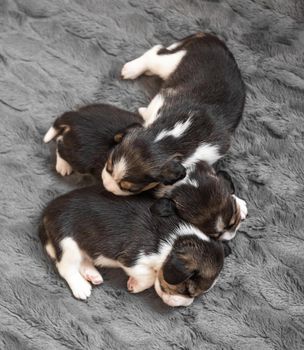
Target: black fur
(122,229)
(91,135)
(206,86)
(201,205)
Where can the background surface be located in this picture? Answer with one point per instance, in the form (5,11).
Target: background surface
(55,55)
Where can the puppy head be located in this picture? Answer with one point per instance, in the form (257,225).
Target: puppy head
(206,200)
(136,164)
(191,268)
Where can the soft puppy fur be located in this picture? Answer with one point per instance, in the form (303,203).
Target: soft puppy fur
(90,227)
(84,137)
(191,119)
(205,199)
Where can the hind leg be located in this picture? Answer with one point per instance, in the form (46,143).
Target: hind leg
(152,63)
(62,166)
(69,269)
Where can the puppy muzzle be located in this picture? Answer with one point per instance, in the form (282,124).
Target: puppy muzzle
(172,300)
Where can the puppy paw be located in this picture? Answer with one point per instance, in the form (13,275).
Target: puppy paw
(138,285)
(82,289)
(91,274)
(132,285)
(142,111)
(132,69)
(63,167)
(243,207)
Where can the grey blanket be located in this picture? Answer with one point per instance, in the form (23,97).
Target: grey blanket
(55,55)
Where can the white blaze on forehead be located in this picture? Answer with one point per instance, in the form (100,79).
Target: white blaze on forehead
(188,229)
(206,152)
(119,169)
(177,131)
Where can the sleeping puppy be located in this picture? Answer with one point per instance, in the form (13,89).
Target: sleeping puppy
(206,200)
(85,137)
(191,119)
(91,227)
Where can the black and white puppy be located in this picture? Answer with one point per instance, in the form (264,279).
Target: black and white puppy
(84,137)
(91,227)
(206,200)
(191,119)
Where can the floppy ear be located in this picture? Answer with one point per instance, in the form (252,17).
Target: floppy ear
(227,249)
(171,172)
(175,271)
(122,133)
(227,179)
(163,207)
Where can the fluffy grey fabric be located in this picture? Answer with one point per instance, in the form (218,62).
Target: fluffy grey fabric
(57,54)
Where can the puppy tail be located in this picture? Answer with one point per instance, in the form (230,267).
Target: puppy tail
(52,132)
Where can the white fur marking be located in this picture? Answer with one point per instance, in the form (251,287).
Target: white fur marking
(173,46)
(62,166)
(227,235)
(137,67)
(50,250)
(188,229)
(152,111)
(161,65)
(165,65)
(243,207)
(102,261)
(52,132)
(177,131)
(206,152)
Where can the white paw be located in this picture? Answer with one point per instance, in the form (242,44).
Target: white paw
(81,289)
(243,207)
(137,285)
(142,111)
(133,69)
(91,274)
(63,167)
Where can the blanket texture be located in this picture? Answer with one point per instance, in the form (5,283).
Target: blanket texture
(56,55)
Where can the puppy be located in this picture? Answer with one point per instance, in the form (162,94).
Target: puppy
(91,227)
(206,200)
(85,137)
(191,119)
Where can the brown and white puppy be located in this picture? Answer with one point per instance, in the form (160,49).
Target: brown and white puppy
(191,119)
(91,227)
(206,200)
(84,137)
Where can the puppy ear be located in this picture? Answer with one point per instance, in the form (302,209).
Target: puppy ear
(163,207)
(171,172)
(227,179)
(175,270)
(122,133)
(227,249)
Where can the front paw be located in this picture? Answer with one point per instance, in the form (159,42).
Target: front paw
(243,207)
(132,70)
(82,289)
